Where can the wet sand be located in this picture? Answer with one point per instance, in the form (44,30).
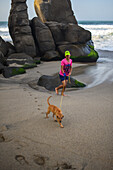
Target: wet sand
(28,141)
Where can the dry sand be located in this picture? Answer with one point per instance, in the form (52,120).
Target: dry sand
(28,141)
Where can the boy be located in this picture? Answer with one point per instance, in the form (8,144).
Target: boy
(65,72)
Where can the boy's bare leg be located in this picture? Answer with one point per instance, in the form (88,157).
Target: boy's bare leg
(57,88)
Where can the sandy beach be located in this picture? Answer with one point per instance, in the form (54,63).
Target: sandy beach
(28,141)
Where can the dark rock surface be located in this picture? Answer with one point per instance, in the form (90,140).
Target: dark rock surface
(3,46)
(55,10)
(50,82)
(19,28)
(51,56)
(3,60)
(20,58)
(12,71)
(49,35)
(42,36)
(11,48)
(71,33)
(1,68)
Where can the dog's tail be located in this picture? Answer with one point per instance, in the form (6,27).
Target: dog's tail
(48,100)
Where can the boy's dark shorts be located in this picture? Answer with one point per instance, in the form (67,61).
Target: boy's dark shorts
(62,78)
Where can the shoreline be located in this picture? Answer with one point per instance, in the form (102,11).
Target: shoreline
(29,141)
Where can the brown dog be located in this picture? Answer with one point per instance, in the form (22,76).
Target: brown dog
(56,111)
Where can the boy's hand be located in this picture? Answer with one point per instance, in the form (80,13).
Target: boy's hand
(69,73)
(64,74)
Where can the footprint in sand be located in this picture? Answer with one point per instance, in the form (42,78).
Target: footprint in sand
(39,105)
(43,113)
(2,138)
(30,93)
(21,159)
(40,160)
(65,166)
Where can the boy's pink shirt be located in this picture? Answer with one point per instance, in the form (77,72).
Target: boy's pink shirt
(64,62)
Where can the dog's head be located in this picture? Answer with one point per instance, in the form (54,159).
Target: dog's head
(59,116)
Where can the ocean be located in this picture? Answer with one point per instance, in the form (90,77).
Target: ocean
(102,33)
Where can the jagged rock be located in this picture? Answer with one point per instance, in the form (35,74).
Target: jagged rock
(20,58)
(51,56)
(70,33)
(55,10)
(42,36)
(3,46)
(3,60)
(1,68)
(12,71)
(57,30)
(19,28)
(50,82)
(11,48)
(76,34)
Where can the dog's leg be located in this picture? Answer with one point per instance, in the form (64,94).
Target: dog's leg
(54,118)
(60,124)
(48,111)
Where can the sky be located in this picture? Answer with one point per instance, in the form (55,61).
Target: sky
(83,9)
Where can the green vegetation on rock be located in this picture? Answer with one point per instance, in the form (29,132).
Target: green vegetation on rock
(91,46)
(93,54)
(37,61)
(91,57)
(16,71)
(79,84)
(27,66)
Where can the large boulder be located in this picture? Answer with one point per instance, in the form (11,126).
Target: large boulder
(1,68)
(20,58)
(11,48)
(51,56)
(42,36)
(50,82)
(55,10)
(3,46)
(57,30)
(71,33)
(12,71)
(19,28)
(79,53)
(76,34)
(2,59)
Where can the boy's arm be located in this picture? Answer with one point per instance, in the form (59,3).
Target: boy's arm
(70,70)
(62,69)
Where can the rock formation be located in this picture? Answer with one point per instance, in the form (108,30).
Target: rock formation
(19,28)
(58,16)
(51,33)
(55,10)
(50,82)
